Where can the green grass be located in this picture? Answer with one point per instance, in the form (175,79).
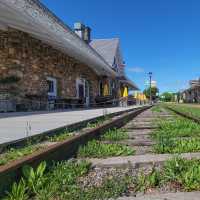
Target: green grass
(157,109)
(175,145)
(115,135)
(98,122)
(177,136)
(17,153)
(145,181)
(187,109)
(61,182)
(183,173)
(179,127)
(61,136)
(66,134)
(97,149)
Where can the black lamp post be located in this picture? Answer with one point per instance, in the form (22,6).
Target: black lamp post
(150,95)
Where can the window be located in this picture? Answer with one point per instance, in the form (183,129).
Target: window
(52,86)
(115,65)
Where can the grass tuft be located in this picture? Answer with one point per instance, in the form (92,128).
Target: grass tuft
(115,135)
(177,136)
(17,153)
(98,149)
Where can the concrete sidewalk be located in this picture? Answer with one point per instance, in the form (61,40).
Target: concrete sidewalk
(167,196)
(13,126)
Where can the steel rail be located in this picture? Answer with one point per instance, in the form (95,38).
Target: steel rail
(72,127)
(194,119)
(61,151)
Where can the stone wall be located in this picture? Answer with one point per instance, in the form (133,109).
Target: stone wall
(30,62)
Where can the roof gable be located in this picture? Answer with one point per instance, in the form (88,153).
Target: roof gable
(107,48)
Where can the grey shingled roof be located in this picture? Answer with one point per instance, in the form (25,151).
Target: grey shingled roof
(32,17)
(106,48)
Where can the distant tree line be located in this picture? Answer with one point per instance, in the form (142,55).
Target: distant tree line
(154,93)
(169,97)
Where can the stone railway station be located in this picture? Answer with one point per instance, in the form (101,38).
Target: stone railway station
(45,64)
(192,94)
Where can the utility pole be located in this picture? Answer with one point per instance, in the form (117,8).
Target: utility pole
(150,95)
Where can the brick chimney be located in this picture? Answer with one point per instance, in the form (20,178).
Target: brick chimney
(84,32)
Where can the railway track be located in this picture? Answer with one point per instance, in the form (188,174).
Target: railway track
(42,136)
(145,159)
(51,147)
(124,161)
(195,119)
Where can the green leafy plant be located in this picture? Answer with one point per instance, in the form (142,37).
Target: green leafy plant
(185,172)
(18,191)
(61,180)
(145,181)
(181,172)
(34,179)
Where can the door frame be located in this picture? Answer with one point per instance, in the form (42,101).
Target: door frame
(85,83)
(87,93)
(80,81)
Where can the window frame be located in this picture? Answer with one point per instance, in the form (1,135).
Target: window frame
(54,81)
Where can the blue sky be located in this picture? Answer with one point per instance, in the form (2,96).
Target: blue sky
(162,36)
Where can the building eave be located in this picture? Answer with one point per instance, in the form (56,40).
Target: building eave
(33,17)
(128,82)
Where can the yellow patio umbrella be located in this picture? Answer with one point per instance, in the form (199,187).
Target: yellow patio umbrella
(135,95)
(142,97)
(125,93)
(138,96)
(105,90)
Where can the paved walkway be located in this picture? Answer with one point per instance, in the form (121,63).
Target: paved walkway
(168,196)
(13,126)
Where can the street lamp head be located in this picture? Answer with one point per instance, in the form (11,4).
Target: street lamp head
(150,73)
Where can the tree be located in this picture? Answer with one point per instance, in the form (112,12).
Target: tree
(154,92)
(167,96)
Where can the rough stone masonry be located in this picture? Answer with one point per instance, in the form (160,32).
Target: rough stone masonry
(25,64)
